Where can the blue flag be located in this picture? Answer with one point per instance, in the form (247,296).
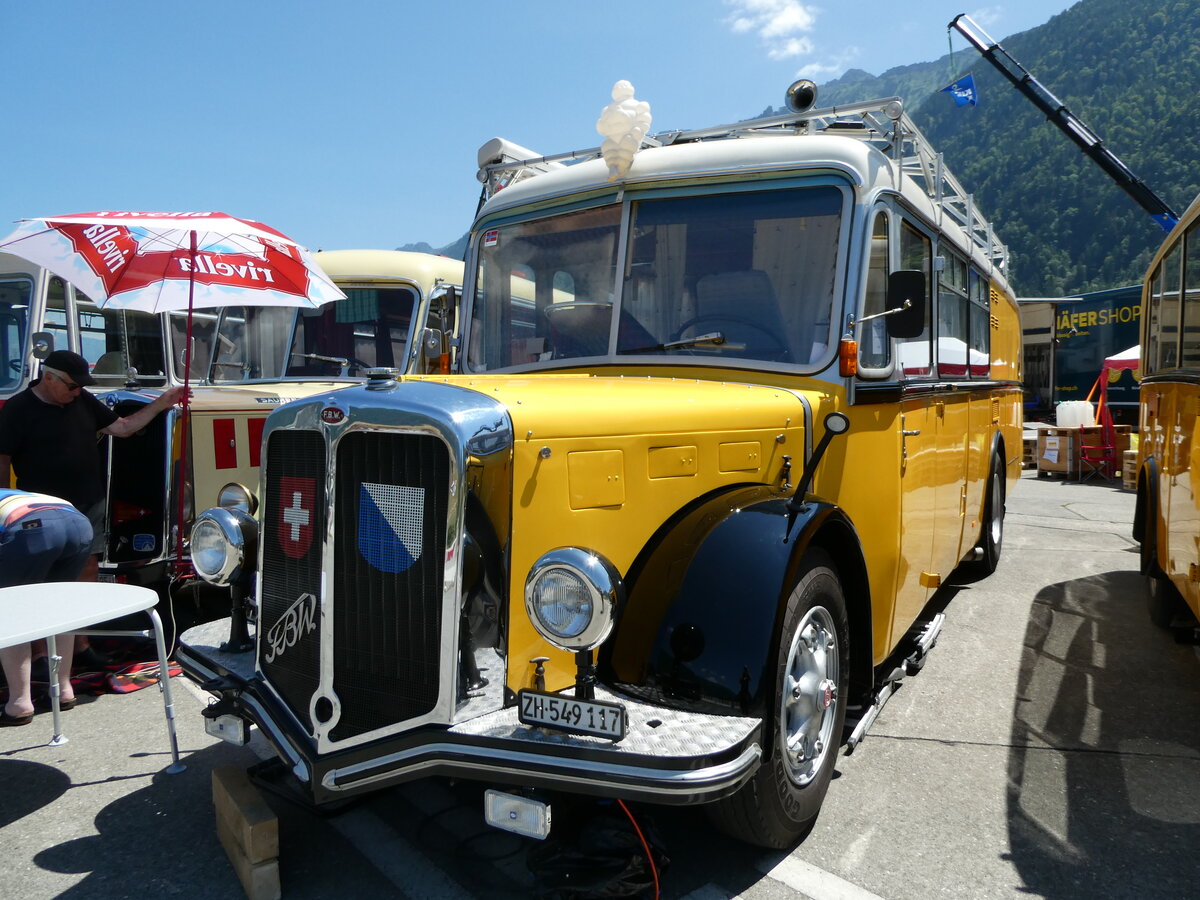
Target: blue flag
(963,91)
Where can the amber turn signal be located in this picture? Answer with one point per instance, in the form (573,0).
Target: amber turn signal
(847,357)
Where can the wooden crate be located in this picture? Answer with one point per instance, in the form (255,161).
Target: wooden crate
(1129,470)
(1058,451)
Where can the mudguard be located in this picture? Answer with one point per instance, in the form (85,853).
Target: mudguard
(705,598)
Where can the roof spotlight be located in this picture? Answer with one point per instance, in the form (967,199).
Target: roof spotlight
(801,95)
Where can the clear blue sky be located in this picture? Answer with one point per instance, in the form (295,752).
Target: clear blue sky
(355,123)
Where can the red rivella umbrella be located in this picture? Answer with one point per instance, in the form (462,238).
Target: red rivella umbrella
(172,261)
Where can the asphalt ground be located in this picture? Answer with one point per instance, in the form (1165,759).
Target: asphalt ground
(1050,747)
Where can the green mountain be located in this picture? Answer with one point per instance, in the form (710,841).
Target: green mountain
(1130,70)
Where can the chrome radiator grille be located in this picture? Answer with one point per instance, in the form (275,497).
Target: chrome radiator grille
(389,530)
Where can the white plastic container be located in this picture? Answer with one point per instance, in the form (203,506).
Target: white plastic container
(1073,413)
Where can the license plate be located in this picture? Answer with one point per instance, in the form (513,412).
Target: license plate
(593,717)
(106,579)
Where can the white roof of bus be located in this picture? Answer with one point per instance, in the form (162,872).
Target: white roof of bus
(368,266)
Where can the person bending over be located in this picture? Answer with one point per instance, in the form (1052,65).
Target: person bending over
(42,539)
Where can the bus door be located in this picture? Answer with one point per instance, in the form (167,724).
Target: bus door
(1178,314)
(921,415)
(953,406)
(919,426)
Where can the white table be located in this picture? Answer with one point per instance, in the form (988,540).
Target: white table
(30,612)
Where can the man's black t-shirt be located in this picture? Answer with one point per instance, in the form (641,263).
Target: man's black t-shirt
(55,449)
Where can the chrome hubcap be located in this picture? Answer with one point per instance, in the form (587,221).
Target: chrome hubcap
(997,507)
(810,696)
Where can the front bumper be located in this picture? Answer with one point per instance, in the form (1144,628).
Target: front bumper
(667,756)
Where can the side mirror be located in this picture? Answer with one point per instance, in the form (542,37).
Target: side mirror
(443,302)
(436,338)
(43,344)
(434,351)
(906,295)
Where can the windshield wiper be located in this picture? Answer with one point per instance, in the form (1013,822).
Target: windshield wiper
(712,339)
(340,361)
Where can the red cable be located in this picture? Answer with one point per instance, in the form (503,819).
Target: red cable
(645,846)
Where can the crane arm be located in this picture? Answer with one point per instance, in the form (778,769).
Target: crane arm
(1070,124)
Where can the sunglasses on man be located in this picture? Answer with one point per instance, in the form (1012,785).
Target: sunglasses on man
(70,385)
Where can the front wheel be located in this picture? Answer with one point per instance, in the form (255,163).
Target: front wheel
(779,805)
(991,532)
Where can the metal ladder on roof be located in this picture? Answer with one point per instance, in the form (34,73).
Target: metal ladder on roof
(882,123)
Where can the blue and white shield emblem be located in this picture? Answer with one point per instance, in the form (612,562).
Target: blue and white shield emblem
(390,518)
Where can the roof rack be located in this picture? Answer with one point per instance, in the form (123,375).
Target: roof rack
(880,123)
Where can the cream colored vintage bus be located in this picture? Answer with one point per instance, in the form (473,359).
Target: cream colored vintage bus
(723,426)
(247,361)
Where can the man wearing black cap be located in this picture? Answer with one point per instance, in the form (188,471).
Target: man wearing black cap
(49,438)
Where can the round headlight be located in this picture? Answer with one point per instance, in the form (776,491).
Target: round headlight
(571,596)
(223,542)
(237,496)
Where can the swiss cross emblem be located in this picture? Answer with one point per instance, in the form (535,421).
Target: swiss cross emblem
(297,501)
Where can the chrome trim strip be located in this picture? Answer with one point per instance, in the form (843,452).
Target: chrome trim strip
(808,420)
(661,782)
(265,723)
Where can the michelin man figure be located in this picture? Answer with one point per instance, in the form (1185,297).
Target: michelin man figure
(623,124)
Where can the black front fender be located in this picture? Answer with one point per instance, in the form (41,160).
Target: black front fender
(700,624)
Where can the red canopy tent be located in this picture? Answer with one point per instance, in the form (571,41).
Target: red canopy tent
(1103,456)
(1126,359)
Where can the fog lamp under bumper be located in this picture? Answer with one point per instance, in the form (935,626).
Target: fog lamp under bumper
(520,815)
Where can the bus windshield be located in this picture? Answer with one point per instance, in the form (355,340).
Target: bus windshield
(117,340)
(737,276)
(233,344)
(370,328)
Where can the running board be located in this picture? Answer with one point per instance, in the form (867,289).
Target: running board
(912,664)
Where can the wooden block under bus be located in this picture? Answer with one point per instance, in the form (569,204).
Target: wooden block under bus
(251,822)
(259,880)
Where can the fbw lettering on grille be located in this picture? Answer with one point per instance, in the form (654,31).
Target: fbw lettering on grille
(568,714)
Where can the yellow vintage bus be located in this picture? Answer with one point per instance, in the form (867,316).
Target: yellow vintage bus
(723,426)
(1167,517)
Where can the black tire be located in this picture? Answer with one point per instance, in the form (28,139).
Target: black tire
(1165,604)
(780,803)
(1163,601)
(991,529)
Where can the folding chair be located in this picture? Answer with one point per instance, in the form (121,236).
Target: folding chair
(1099,459)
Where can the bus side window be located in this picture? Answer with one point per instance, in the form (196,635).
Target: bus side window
(916,253)
(980,345)
(952,317)
(1150,344)
(55,320)
(1168,309)
(1190,354)
(874,345)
